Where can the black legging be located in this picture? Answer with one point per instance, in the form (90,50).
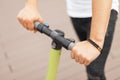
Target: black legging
(95,70)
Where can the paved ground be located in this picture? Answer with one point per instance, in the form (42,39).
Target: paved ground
(24,55)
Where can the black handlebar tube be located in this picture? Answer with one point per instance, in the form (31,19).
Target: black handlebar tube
(43,28)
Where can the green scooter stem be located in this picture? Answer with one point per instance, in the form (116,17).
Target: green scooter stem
(53,64)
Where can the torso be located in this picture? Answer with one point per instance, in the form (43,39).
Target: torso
(83,8)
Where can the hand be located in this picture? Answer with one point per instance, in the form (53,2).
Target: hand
(84,53)
(27,16)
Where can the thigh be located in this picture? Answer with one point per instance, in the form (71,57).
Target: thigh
(81,27)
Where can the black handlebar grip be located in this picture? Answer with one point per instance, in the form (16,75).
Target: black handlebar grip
(43,28)
(54,35)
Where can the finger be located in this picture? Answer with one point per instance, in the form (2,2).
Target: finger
(21,21)
(72,55)
(40,19)
(31,25)
(73,51)
(24,25)
(81,60)
(35,30)
(87,63)
(76,58)
(36,20)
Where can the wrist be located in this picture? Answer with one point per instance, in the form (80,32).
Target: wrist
(98,40)
(31,3)
(96,45)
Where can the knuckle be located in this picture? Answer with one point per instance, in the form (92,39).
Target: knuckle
(76,60)
(88,64)
(80,62)
(72,55)
(88,59)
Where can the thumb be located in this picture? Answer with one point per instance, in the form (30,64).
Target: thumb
(37,20)
(40,19)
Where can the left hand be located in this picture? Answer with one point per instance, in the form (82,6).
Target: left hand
(84,53)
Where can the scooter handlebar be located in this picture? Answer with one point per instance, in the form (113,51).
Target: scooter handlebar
(44,28)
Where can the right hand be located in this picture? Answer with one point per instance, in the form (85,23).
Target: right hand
(27,16)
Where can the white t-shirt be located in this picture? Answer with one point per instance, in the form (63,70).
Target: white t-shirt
(83,8)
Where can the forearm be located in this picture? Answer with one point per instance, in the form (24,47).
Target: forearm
(32,3)
(100,17)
